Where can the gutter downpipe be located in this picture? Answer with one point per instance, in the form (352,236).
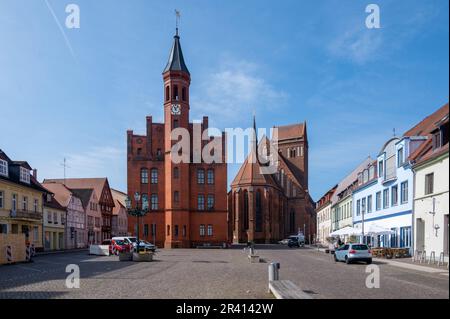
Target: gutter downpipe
(413,239)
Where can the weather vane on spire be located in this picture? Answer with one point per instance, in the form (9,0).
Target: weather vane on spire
(177,19)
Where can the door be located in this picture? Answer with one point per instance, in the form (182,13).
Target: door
(446,235)
(420,234)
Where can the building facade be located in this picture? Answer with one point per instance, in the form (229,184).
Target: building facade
(119,222)
(20,201)
(75,220)
(323,213)
(103,194)
(431,190)
(342,202)
(54,224)
(187,198)
(91,206)
(265,208)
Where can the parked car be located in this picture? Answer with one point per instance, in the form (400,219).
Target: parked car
(284,241)
(296,241)
(147,245)
(117,246)
(353,253)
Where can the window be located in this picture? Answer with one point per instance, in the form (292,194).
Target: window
(168,230)
(175,92)
(386,198)
(144,176)
(24,175)
(3,228)
(210,176)
(437,140)
(35,234)
(145,230)
(176,196)
(201,176)
(144,198)
(167,93)
(210,230)
(183,94)
(49,217)
(378,201)
(202,230)
(184,230)
(429,183)
(176,172)
(363,205)
(154,176)
(175,231)
(394,195)
(3,167)
(369,204)
(55,218)
(154,202)
(210,202)
(35,205)
(400,157)
(404,192)
(358,207)
(175,124)
(371,172)
(405,236)
(201,202)
(380,169)
(365,176)
(25,203)
(1,199)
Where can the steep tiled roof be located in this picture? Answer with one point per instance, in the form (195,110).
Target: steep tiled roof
(81,183)
(84,194)
(291,131)
(62,193)
(424,127)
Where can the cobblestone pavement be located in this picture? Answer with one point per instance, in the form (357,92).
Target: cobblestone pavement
(221,273)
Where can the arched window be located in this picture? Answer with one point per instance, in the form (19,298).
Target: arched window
(258,213)
(144,176)
(167,93)
(245,224)
(176,196)
(154,176)
(175,92)
(176,172)
(183,94)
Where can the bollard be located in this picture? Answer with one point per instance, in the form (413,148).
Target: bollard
(9,259)
(273,273)
(28,254)
(441,259)
(432,258)
(252,251)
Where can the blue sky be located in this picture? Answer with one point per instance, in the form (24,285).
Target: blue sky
(288,61)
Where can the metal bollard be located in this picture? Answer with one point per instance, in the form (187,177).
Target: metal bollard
(274,273)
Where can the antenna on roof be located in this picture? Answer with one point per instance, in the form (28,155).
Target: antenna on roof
(177,20)
(64,164)
(393,130)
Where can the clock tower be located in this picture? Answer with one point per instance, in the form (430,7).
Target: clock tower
(177,79)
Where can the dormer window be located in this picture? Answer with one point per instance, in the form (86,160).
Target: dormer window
(400,158)
(380,169)
(24,175)
(3,168)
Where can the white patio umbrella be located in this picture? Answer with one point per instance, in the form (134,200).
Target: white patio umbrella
(374,229)
(346,231)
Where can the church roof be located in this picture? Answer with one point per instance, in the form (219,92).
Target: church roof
(176,60)
(249,173)
(291,131)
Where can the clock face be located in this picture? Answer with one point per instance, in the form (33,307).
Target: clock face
(176,110)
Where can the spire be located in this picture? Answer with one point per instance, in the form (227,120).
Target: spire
(176,60)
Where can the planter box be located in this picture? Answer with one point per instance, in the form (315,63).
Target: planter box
(99,250)
(125,256)
(147,256)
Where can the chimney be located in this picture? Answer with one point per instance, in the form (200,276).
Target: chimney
(35,173)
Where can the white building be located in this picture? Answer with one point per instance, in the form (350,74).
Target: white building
(431,202)
(323,215)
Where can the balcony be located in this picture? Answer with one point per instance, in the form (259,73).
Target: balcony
(25,214)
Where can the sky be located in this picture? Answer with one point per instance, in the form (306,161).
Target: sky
(73,93)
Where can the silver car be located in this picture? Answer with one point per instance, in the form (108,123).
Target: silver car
(352,253)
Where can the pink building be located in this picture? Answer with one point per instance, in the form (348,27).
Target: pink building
(119,222)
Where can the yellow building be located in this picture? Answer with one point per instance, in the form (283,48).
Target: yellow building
(21,197)
(54,220)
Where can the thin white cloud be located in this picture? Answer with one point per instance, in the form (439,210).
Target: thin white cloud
(358,45)
(237,87)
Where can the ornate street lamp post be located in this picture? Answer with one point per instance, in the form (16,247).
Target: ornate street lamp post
(140,210)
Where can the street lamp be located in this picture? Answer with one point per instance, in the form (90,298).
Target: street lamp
(138,211)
